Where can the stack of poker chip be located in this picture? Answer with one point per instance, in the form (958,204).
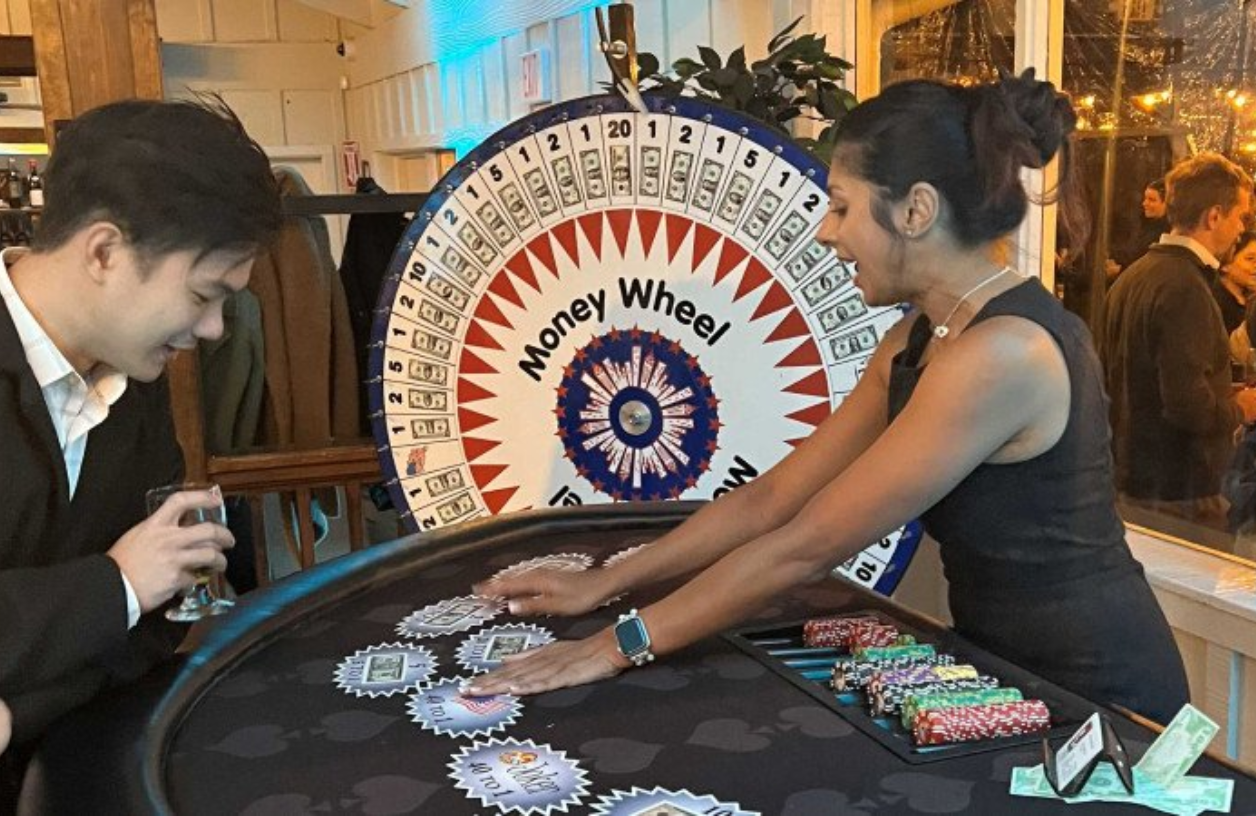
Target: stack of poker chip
(889,701)
(919,676)
(939,726)
(917,702)
(856,673)
(847,632)
(912,650)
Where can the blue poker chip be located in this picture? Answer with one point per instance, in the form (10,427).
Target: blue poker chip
(443,709)
(663,802)
(385,670)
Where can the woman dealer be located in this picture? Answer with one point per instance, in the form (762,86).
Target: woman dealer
(981,412)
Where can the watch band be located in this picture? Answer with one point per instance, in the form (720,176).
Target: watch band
(633,639)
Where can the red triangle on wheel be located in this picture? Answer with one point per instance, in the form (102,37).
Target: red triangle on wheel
(704,240)
(792,326)
(485,474)
(678,227)
(475,448)
(477,335)
(542,250)
(756,275)
(488,309)
(471,364)
(565,235)
(621,223)
(495,500)
(813,415)
(807,354)
(813,385)
(775,300)
(521,268)
(469,420)
(591,226)
(470,392)
(648,225)
(731,254)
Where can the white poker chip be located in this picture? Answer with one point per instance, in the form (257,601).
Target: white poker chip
(562,562)
(519,776)
(485,650)
(385,670)
(443,709)
(663,802)
(450,616)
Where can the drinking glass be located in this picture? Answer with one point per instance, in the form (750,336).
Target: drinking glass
(199,601)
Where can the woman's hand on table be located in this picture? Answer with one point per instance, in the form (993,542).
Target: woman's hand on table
(548,591)
(553,666)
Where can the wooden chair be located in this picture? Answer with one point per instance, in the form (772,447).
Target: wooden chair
(298,472)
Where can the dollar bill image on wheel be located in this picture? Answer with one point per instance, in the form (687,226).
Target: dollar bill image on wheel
(603,305)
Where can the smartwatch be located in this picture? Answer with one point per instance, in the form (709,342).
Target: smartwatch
(632,639)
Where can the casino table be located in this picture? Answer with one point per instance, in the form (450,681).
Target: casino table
(266,715)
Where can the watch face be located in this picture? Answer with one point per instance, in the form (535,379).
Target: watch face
(631,636)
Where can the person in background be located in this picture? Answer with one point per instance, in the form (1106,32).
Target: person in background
(153,214)
(1173,410)
(1153,223)
(1236,282)
(982,412)
(6,726)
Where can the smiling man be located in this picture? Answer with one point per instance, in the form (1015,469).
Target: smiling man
(153,214)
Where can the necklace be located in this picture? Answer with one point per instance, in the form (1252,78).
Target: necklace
(942,329)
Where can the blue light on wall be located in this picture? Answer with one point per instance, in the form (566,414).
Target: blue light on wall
(455,33)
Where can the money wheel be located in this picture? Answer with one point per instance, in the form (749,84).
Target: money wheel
(602,305)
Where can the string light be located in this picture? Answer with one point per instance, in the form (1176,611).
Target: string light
(1148,102)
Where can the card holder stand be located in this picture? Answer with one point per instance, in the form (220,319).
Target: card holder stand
(780,648)
(1112,750)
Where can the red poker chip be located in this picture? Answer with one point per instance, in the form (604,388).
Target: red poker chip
(970,723)
(833,631)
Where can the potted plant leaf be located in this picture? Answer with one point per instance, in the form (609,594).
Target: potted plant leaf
(798,79)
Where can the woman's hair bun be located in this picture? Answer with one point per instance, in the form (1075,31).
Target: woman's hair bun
(1046,114)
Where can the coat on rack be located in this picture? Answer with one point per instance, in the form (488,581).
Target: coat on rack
(311,370)
(369,245)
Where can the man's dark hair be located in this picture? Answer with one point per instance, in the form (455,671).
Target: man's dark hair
(173,177)
(1157,185)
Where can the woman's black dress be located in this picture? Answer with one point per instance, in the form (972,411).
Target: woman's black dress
(1035,552)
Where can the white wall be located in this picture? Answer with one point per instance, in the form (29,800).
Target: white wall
(428,79)
(275,63)
(23,92)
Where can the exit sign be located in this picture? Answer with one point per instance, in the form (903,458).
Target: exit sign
(534,75)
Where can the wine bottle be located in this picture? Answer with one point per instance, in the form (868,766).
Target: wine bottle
(16,187)
(35,185)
